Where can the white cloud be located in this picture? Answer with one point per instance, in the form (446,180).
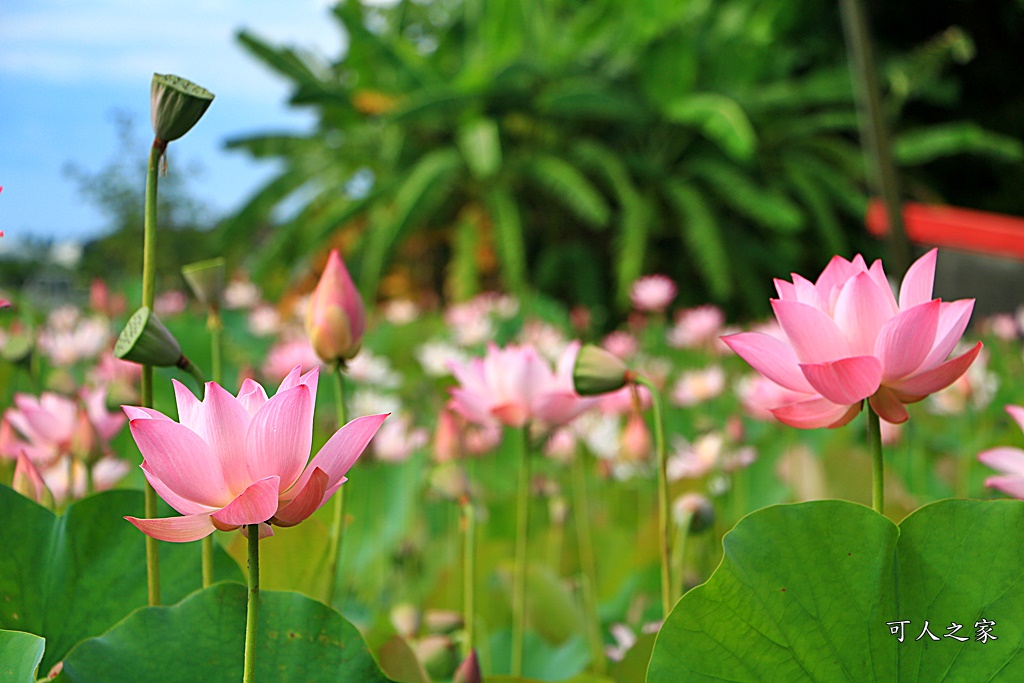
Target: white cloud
(112,41)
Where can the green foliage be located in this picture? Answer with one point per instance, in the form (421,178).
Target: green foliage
(807,592)
(69,577)
(20,654)
(565,118)
(202,639)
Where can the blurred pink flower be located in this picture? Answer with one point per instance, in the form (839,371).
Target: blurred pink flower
(636,439)
(514,386)
(285,355)
(69,338)
(397,439)
(848,339)
(1002,326)
(50,426)
(653,293)
(241,293)
(233,461)
(974,388)
(170,303)
(759,396)
(697,386)
(335,317)
(696,327)
(621,343)
(1008,460)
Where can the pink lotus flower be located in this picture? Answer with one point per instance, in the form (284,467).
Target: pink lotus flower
(695,327)
(653,293)
(848,339)
(233,461)
(514,386)
(1008,460)
(50,426)
(335,319)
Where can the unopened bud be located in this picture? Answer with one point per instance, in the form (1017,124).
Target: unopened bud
(335,319)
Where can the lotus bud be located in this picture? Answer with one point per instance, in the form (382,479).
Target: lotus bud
(206,280)
(175,105)
(598,372)
(406,619)
(29,483)
(469,670)
(335,319)
(443,621)
(145,340)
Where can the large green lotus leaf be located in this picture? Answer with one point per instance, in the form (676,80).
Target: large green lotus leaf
(807,592)
(203,639)
(72,576)
(20,655)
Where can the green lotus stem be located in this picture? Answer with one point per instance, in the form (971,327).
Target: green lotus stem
(338,522)
(874,131)
(216,327)
(588,563)
(679,554)
(148,297)
(90,481)
(469,574)
(877,462)
(252,611)
(664,521)
(519,569)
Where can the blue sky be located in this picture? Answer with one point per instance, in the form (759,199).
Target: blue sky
(65,66)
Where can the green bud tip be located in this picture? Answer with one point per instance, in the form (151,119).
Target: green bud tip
(598,371)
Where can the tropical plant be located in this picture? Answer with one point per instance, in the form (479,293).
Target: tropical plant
(715,142)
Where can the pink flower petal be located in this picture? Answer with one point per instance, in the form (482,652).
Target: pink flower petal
(139,413)
(175,529)
(771,357)
(889,407)
(182,460)
(341,451)
(917,283)
(222,421)
(252,396)
(939,377)
(255,505)
(1017,413)
(906,340)
(280,436)
(860,312)
(179,503)
(953,319)
(814,336)
(513,414)
(814,413)
(1006,459)
(308,500)
(845,381)
(1011,484)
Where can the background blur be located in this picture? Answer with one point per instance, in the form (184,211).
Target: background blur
(454,146)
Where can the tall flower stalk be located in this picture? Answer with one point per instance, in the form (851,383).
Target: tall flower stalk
(206,280)
(598,372)
(252,610)
(522,543)
(176,105)
(334,546)
(516,388)
(335,324)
